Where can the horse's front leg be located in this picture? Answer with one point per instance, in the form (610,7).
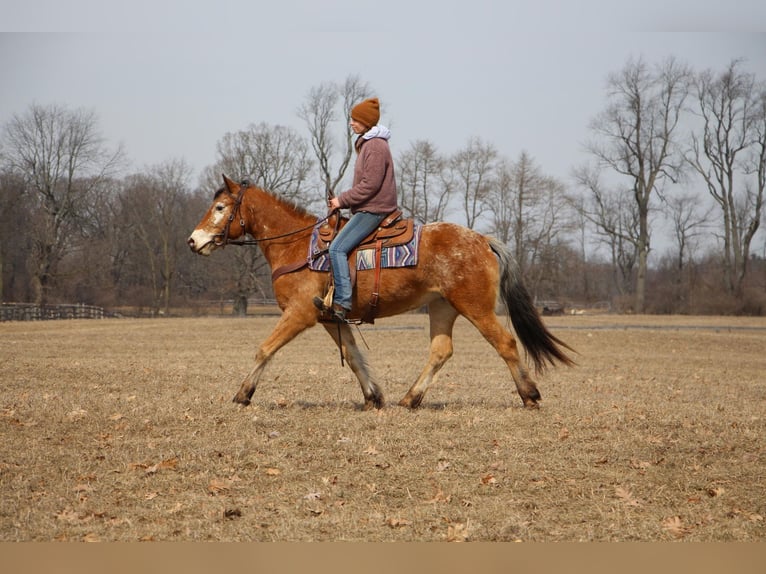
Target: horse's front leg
(286,329)
(344,338)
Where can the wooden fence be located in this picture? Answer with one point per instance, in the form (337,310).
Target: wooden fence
(31,312)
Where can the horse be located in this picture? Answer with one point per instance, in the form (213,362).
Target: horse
(459,272)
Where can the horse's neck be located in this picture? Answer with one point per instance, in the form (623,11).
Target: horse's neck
(269,216)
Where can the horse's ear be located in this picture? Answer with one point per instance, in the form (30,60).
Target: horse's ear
(230,185)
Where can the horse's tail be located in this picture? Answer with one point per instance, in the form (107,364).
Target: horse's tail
(541,345)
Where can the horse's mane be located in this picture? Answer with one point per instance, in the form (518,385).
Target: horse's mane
(289,203)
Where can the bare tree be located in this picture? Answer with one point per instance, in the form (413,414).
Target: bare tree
(423,193)
(527,212)
(90,271)
(580,229)
(635,138)
(61,157)
(15,239)
(275,158)
(502,202)
(472,171)
(689,222)
(152,203)
(616,221)
(730,156)
(323,107)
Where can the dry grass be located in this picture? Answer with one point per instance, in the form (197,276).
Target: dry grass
(123,430)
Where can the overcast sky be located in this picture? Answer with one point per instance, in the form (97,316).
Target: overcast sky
(169,78)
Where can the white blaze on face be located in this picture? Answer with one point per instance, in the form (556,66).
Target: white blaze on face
(218,213)
(205,240)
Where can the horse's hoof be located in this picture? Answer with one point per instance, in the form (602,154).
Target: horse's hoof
(240,400)
(373,403)
(410,402)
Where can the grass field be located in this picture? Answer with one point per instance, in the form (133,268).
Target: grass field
(124,430)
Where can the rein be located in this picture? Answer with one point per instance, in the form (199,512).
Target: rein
(224,235)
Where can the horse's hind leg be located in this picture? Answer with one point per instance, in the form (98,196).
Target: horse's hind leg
(505,344)
(373,397)
(442,319)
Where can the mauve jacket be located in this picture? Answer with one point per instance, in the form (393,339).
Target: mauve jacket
(374,187)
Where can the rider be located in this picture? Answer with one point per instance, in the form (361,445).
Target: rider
(371,197)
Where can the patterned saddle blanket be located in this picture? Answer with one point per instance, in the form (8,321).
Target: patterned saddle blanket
(402,255)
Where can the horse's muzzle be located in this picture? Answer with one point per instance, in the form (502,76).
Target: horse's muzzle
(200,247)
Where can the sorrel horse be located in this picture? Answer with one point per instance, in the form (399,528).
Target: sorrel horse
(459,272)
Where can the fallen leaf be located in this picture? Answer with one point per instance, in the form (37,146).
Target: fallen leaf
(273,471)
(488,479)
(313,496)
(439,496)
(626,496)
(675,527)
(218,485)
(457,532)
(168,464)
(396,522)
(371,450)
(564,433)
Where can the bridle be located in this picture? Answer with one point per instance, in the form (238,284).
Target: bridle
(224,235)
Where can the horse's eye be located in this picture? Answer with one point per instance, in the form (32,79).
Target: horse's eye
(219,207)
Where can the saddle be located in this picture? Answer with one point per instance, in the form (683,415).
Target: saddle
(392,231)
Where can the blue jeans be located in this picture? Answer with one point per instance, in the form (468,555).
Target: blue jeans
(358,227)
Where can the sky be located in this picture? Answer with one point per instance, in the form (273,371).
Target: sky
(167,79)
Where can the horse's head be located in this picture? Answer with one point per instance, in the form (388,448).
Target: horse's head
(217,226)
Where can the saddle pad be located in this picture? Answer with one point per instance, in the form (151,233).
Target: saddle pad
(398,256)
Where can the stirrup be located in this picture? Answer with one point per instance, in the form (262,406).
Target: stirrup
(339,313)
(335,313)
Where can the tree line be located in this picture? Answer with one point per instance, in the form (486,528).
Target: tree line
(672,147)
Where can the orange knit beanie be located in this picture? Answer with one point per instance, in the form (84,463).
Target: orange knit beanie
(367,112)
